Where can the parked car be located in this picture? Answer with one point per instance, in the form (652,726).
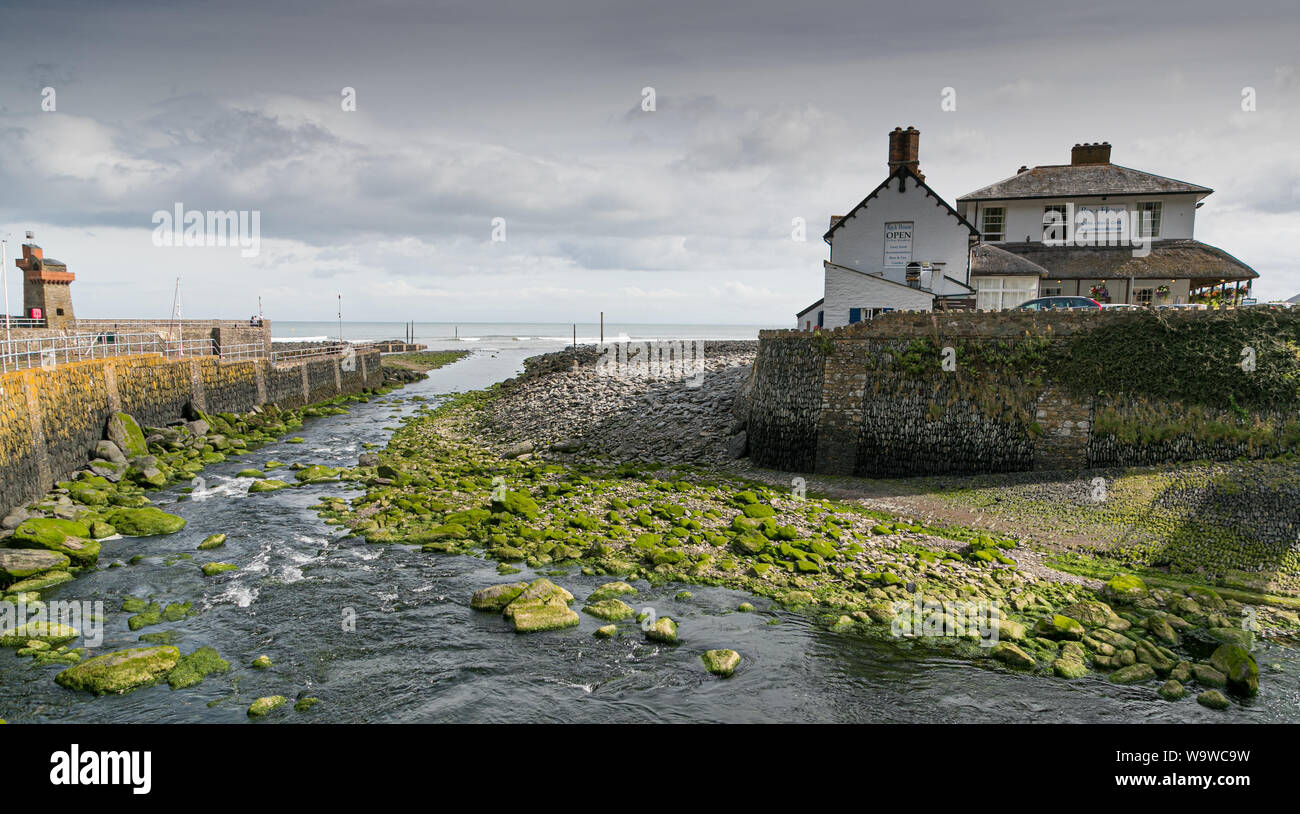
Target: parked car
(1059,304)
(1120,306)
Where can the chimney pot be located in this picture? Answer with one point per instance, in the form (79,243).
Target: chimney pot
(1090,153)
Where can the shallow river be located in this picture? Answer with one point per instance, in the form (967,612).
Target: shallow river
(419,653)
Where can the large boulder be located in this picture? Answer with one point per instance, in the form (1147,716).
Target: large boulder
(611,610)
(67,537)
(122,671)
(543,605)
(1091,614)
(1059,626)
(23,563)
(1125,588)
(123,430)
(145,522)
(611,590)
(497,597)
(1239,667)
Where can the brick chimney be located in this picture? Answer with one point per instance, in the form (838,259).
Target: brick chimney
(1090,154)
(904,148)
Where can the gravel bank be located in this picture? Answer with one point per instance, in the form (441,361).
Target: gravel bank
(570,405)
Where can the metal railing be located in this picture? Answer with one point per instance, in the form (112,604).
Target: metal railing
(155,324)
(21,322)
(17,354)
(242,353)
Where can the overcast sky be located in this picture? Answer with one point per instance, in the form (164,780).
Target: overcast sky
(531,111)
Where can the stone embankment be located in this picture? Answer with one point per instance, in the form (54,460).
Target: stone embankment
(573,406)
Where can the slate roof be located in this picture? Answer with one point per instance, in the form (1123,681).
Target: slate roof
(1081,180)
(989,259)
(1168,259)
(809,308)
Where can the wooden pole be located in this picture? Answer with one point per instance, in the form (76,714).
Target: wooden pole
(602,327)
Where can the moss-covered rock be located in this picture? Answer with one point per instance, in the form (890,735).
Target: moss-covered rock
(1133,674)
(266,705)
(1090,614)
(40,582)
(1213,699)
(67,537)
(606,631)
(497,597)
(518,503)
(212,541)
(663,630)
(191,669)
(1125,588)
(51,633)
(1012,656)
(541,606)
(745,607)
(145,522)
(267,485)
(23,563)
(1059,626)
(611,590)
(261,662)
(304,704)
(721,663)
(611,610)
(316,474)
(1238,667)
(121,671)
(123,430)
(1172,690)
(211,569)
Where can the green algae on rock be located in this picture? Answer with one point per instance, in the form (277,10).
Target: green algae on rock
(611,610)
(265,705)
(606,631)
(541,606)
(213,568)
(21,563)
(261,662)
(145,522)
(1238,667)
(268,485)
(1213,699)
(212,541)
(50,633)
(662,630)
(611,590)
(67,537)
(497,597)
(191,669)
(121,671)
(721,663)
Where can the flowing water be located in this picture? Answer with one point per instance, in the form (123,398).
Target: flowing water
(420,654)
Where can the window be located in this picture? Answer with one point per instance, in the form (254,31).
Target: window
(1054,223)
(1143,296)
(999,293)
(995,223)
(1148,219)
(1052,291)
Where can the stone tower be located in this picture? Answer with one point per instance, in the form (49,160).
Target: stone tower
(47,287)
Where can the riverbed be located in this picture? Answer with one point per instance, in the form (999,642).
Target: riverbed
(384,633)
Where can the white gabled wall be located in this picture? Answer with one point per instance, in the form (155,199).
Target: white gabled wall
(937,235)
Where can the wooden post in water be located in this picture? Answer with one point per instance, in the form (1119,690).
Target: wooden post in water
(575,334)
(602,327)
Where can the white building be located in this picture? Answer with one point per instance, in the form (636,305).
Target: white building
(1094,229)
(902,248)
(1089,228)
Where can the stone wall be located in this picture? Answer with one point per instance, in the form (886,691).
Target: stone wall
(863,400)
(51,418)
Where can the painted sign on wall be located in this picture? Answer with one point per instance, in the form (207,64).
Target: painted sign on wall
(898,243)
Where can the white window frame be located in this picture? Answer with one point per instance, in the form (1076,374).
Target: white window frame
(993,293)
(1139,224)
(984,222)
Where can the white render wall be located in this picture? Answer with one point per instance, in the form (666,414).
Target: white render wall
(1025,217)
(847,289)
(937,236)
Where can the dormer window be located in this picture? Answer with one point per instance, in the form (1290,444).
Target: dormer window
(995,223)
